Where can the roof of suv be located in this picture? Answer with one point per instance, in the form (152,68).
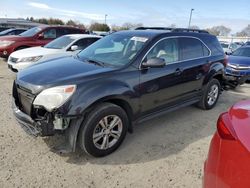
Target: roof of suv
(151,32)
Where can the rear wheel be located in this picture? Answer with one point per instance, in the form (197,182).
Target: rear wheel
(104,130)
(210,95)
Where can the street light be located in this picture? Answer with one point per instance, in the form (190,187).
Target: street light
(106,18)
(190,18)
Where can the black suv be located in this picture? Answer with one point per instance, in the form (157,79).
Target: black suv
(97,96)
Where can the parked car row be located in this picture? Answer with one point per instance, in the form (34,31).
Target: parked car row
(36,36)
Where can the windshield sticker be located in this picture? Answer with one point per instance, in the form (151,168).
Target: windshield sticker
(139,39)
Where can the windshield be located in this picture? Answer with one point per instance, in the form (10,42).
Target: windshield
(5,31)
(60,42)
(31,32)
(115,50)
(224,45)
(245,52)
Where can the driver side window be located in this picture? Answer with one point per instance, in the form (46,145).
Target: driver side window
(166,49)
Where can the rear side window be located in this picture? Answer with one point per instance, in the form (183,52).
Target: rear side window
(192,48)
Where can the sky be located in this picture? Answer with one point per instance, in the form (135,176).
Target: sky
(208,13)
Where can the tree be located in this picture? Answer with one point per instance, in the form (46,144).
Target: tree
(172,26)
(99,27)
(245,32)
(71,22)
(194,27)
(129,25)
(219,30)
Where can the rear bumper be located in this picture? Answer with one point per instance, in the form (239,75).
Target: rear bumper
(26,122)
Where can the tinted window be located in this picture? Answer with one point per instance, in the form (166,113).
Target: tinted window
(49,34)
(83,43)
(166,49)
(192,48)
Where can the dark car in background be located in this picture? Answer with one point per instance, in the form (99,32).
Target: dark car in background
(122,79)
(238,67)
(12,31)
(36,36)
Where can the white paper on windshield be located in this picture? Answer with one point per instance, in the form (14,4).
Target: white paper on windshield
(139,39)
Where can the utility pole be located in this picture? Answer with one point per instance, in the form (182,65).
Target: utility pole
(190,18)
(105,18)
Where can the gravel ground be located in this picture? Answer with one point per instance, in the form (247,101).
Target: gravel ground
(168,151)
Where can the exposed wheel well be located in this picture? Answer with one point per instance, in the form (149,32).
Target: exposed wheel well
(219,77)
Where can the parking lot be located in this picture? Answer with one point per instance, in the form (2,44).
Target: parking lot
(165,152)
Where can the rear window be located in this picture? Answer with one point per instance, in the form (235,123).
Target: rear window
(192,48)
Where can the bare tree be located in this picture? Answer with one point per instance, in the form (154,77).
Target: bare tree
(194,27)
(219,30)
(245,32)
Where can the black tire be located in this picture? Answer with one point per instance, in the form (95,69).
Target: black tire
(203,103)
(86,140)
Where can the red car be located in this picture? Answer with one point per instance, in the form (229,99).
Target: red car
(37,36)
(228,162)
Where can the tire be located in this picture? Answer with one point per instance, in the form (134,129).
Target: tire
(96,126)
(206,101)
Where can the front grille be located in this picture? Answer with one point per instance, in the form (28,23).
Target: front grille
(13,60)
(23,98)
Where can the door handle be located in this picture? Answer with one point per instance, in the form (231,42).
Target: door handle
(178,72)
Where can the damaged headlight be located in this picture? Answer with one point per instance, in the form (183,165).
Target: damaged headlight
(54,97)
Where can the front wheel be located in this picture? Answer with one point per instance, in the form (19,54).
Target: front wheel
(104,130)
(210,95)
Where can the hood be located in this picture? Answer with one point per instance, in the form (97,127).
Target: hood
(14,38)
(239,115)
(239,60)
(60,71)
(35,51)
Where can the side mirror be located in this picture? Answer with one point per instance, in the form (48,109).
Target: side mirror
(154,63)
(74,48)
(40,36)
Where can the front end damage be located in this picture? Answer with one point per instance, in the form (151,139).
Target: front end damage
(37,121)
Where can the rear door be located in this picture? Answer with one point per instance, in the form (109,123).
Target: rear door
(194,63)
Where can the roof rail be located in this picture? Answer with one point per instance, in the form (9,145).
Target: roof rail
(173,29)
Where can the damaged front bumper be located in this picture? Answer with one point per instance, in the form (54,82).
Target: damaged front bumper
(28,124)
(42,127)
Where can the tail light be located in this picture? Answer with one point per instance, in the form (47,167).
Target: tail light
(225,128)
(225,61)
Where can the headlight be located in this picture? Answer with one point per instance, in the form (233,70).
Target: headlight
(29,59)
(5,43)
(54,97)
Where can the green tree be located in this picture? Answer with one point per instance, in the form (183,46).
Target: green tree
(99,27)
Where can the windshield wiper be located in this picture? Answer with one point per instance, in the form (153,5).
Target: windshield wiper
(96,62)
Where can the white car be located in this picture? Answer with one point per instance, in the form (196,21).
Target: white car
(63,46)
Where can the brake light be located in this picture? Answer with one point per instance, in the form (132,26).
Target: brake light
(225,61)
(224,127)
